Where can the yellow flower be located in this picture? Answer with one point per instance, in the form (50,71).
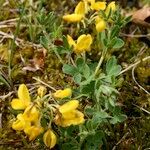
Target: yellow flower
(80,8)
(20,123)
(78,14)
(69,115)
(33,131)
(83,43)
(49,138)
(31,114)
(60,94)
(73,17)
(69,106)
(41,91)
(100,24)
(23,99)
(98,6)
(110,7)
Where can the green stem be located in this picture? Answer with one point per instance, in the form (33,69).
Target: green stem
(100,61)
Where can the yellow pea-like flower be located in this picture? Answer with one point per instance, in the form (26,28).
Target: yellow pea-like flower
(31,114)
(83,43)
(60,94)
(49,138)
(98,6)
(78,119)
(111,6)
(33,131)
(23,99)
(73,17)
(80,8)
(71,42)
(20,123)
(69,106)
(74,118)
(78,14)
(69,115)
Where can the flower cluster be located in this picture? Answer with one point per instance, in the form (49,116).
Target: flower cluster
(30,120)
(83,7)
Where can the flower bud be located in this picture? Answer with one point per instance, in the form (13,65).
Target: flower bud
(49,138)
(100,26)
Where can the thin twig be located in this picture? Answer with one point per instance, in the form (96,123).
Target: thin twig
(135,36)
(7,95)
(8,21)
(120,141)
(141,108)
(137,82)
(135,64)
(18,40)
(37,79)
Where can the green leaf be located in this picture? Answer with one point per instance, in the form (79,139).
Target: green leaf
(86,71)
(99,118)
(77,78)
(111,101)
(69,69)
(115,31)
(4,81)
(89,111)
(102,38)
(80,64)
(101,114)
(112,68)
(118,43)
(71,145)
(118,118)
(107,90)
(88,89)
(94,141)
(44,42)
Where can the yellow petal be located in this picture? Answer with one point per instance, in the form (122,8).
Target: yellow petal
(49,138)
(111,7)
(19,124)
(63,93)
(17,104)
(98,6)
(70,40)
(33,132)
(73,17)
(23,94)
(31,114)
(69,115)
(98,19)
(83,43)
(80,8)
(100,26)
(69,106)
(76,120)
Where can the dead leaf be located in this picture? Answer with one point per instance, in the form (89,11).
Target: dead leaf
(37,63)
(142,17)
